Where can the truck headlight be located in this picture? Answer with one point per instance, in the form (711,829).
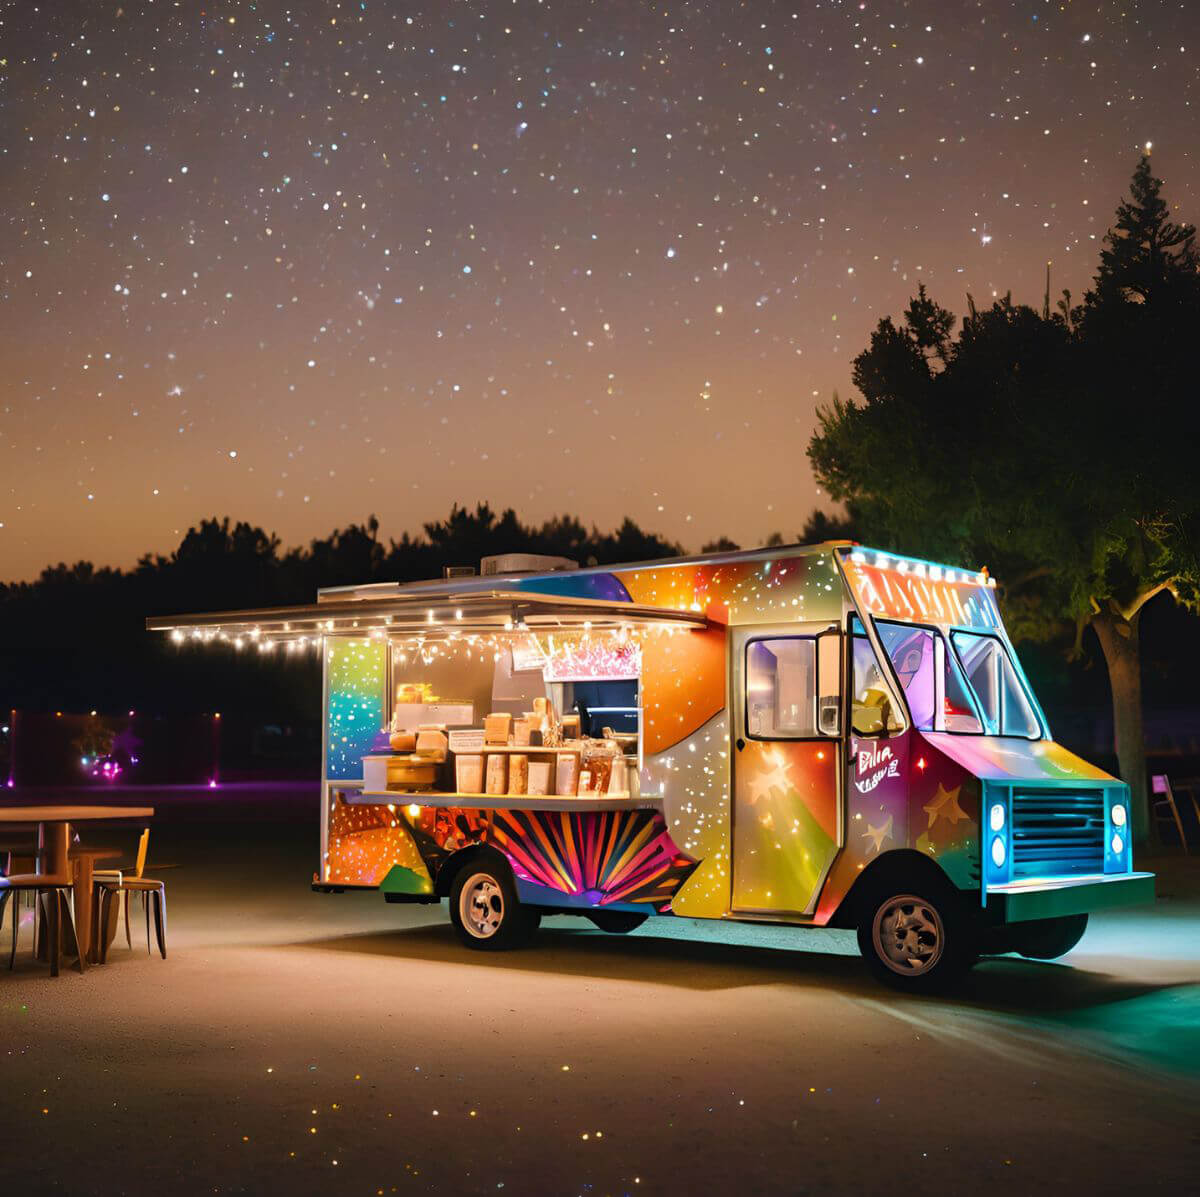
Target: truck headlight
(998,852)
(1118,844)
(1119,815)
(996,816)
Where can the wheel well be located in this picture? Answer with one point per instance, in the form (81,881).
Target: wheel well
(902,867)
(474,854)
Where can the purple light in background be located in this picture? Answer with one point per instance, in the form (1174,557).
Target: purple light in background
(212,783)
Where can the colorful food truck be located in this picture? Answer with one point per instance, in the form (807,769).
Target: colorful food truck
(819,736)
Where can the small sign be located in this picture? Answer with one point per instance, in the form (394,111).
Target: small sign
(468,739)
(527,655)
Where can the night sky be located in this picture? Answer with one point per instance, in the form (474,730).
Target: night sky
(298,263)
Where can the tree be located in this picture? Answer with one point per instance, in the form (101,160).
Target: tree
(1047,446)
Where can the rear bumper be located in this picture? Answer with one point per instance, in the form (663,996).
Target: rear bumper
(1054,897)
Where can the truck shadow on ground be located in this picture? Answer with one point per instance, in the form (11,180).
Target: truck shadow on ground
(1006,984)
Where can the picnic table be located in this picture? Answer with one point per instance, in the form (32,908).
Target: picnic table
(53,823)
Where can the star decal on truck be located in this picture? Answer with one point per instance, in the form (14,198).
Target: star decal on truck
(878,834)
(944,804)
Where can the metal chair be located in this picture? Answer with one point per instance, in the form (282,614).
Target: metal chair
(52,898)
(111,882)
(1164,808)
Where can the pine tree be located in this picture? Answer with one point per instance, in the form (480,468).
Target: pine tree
(1145,252)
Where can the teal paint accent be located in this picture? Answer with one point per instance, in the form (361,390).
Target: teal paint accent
(1083,898)
(402,880)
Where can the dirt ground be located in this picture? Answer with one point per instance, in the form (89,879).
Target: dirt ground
(305,1043)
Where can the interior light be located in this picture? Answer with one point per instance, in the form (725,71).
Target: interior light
(996,816)
(998,852)
(1118,844)
(1119,815)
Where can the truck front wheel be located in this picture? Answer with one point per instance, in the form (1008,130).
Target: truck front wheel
(916,941)
(1047,939)
(485,910)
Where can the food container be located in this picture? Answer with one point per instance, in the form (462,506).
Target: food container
(518,773)
(566,781)
(496,777)
(541,777)
(432,744)
(496,727)
(401,772)
(468,773)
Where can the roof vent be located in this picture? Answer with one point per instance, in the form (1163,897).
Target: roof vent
(458,571)
(525,563)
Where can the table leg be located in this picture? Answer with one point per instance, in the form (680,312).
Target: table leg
(83,871)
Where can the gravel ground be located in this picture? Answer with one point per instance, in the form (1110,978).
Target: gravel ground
(306,1043)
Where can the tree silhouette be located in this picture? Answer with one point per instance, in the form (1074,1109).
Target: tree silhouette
(75,638)
(1047,446)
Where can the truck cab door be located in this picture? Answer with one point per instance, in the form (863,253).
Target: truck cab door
(786,765)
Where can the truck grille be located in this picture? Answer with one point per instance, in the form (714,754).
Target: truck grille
(1057,832)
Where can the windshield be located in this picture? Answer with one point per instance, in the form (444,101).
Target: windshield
(990,673)
(932,680)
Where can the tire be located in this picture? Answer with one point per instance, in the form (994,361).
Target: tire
(917,939)
(617,922)
(485,910)
(1047,939)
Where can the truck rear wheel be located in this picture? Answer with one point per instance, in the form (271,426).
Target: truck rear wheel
(486,911)
(916,941)
(1047,939)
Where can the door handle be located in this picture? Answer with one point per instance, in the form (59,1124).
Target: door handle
(740,743)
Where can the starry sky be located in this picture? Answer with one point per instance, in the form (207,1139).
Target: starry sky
(300,262)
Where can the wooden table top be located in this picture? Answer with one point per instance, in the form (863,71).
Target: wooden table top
(72,814)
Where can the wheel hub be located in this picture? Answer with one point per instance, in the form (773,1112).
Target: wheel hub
(908,935)
(481,906)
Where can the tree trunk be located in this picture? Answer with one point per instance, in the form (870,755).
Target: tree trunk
(1122,653)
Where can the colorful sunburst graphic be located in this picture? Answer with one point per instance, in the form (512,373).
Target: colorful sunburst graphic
(593,858)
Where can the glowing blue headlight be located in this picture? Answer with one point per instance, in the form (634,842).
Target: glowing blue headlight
(1118,844)
(1119,815)
(998,852)
(996,816)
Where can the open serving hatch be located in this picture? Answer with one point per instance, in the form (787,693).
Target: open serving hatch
(429,614)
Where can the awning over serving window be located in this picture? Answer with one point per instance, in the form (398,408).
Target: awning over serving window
(432,614)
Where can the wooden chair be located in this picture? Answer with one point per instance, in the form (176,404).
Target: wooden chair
(111,882)
(53,898)
(1164,808)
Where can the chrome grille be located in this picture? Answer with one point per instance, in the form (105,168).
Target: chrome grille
(1057,832)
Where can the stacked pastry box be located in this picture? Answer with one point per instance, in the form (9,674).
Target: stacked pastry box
(539,755)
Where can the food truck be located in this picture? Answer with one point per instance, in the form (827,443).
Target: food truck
(824,735)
